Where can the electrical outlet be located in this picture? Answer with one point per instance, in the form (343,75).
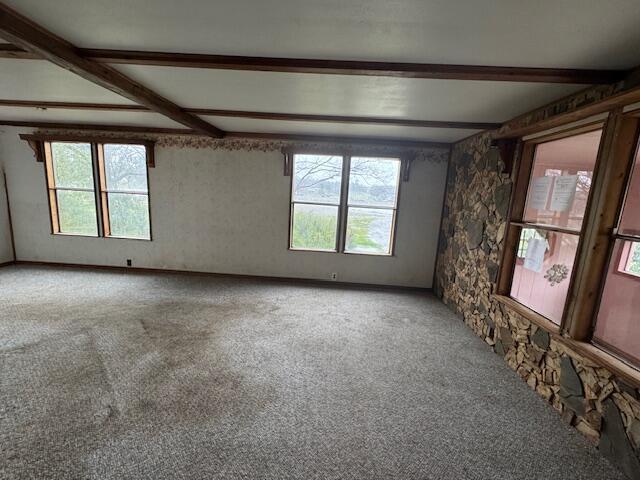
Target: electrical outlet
(128,262)
(334,276)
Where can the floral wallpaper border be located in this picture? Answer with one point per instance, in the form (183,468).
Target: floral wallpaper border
(434,154)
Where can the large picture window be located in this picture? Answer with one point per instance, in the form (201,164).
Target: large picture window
(343,203)
(98,189)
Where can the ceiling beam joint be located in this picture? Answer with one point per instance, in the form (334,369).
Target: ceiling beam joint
(33,38)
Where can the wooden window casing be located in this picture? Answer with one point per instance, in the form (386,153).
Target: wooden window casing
(100,190)
(53,189)
(598,234)
(344,205)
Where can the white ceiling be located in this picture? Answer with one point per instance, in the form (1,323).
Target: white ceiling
(144,119)
(542,33)
(451,100)
(40,80)
(321,128)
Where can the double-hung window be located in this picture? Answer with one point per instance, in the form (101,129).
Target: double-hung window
(550,227)
(617,326)
(71,182)
(342,203)
(98,189)
(124,190)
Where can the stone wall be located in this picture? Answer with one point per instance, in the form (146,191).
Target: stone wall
(586,395)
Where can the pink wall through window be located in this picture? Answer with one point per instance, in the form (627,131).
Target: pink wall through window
(618,322)
(546,291)
(557,196)
(630,222)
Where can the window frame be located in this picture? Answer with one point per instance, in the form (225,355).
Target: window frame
(100,189)
(343,206)
(624,257)
(52,192)
(515,222)
(292,203)
(598,234)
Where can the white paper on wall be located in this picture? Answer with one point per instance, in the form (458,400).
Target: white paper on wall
(539,192)
(564,191)
(534,257)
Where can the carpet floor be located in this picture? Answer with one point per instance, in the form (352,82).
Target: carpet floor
(108,375)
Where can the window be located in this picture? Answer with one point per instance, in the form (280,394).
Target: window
(371,209)
(343,203)
(125,194)
(631,259)
(70,178)
(315,202)
(571,257)
(617,326)
(98,189)
(550,228)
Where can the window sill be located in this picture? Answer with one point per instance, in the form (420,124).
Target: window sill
(62,234)
(612,363)
(531,315)
(618,367)
(365,254)
(370,254)
(629,275)
(129,238)
(317,250)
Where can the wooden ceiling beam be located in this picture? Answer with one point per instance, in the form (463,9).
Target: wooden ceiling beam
(99,127)
(339,67)
(33,38)
(352,140)
(298,117)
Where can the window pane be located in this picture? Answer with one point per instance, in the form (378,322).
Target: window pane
(374,181)
(618,324)
(369,230)
(125,167)
(314,227)
(632,261)
(129,215)
(317,178)
(630,222)
(72,165)
(561,180)
(77,212)
(541,276)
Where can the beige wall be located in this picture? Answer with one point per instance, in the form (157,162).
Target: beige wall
(225,212)
(6,250)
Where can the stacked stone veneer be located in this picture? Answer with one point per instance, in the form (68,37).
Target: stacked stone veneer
(604,408)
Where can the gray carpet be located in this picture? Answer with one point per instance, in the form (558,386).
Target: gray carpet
(109,375)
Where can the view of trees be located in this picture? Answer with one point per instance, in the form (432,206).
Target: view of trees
(634,260)
(126,181)
(317,181)
(73,177)
(126,178)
